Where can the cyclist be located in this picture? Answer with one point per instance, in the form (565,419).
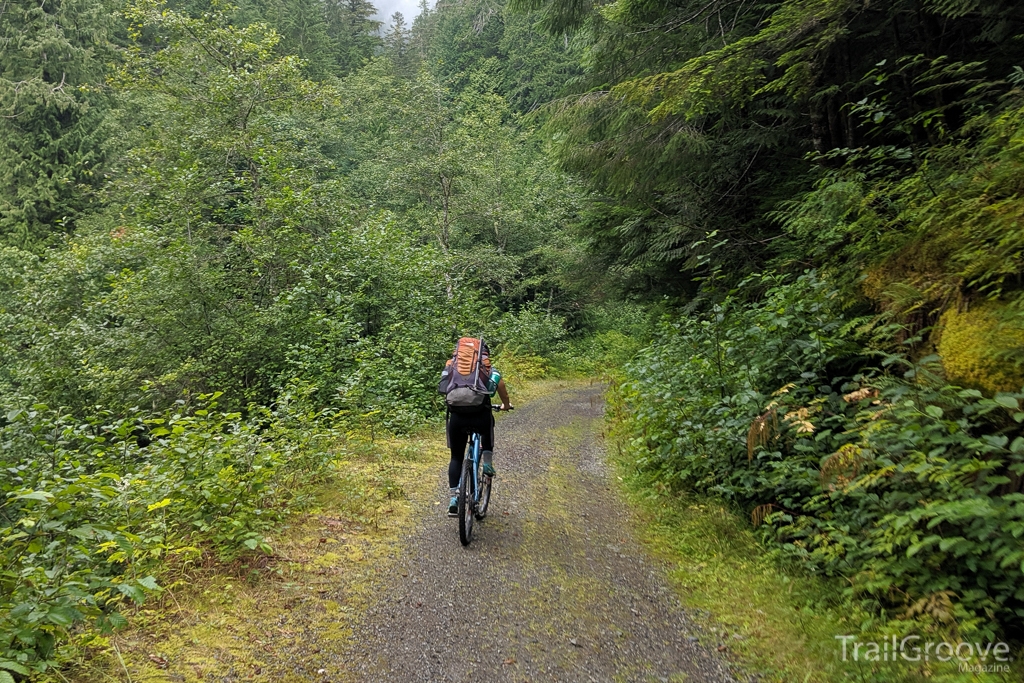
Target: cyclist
(477,419)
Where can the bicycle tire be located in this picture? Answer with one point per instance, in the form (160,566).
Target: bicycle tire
(485,493)
(466,502)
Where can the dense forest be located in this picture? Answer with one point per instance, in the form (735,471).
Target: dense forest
(790,231)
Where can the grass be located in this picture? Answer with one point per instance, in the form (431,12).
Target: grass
(771,622)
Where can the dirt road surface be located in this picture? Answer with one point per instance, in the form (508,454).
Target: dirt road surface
(554,587)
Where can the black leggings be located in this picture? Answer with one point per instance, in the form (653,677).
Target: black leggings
(459,429)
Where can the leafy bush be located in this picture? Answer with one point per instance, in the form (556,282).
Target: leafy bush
(608,336)
(599,354)
(919,504)
(529,331)
(516,368)
(92,511)
(907,487)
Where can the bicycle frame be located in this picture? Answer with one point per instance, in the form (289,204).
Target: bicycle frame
(474,455)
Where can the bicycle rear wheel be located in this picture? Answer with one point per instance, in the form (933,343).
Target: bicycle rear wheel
(485,492)
(466,502)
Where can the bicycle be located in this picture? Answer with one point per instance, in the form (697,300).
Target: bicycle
(474,489)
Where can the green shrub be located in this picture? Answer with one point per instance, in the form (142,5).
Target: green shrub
(529,331)
(516,367)
(598,354)
(908,488)
(93,511)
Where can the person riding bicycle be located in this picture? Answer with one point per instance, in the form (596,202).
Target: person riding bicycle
(468,383)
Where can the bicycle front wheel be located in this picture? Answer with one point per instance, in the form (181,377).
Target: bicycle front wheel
(466,502)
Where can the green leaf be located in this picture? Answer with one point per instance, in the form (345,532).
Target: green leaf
(1007,401)
(149,583)
(251,543)
(132,591)
(934,411)
(917,547)
(35,495)
(947,543)
(13,666)
(63,616)
(6,677)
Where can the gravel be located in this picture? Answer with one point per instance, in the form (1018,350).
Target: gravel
(554,586)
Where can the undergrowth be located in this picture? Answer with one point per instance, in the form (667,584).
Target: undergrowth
(854,462)
(320,575)
(121,531)
(768,614)
(97,515)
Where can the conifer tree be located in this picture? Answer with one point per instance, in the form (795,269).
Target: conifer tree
(396,45)
(305,32)
(354,32)
(423,31)
(51,115)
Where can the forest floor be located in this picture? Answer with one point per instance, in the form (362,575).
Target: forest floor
(375,586)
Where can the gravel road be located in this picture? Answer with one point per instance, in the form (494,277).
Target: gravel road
(553,588)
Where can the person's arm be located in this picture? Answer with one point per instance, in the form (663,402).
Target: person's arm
(503,394)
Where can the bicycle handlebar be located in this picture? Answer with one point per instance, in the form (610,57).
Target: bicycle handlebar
(498,408)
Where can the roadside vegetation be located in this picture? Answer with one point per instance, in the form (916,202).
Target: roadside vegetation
(758,606)
(322,570)
(903,485)
(325,561)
